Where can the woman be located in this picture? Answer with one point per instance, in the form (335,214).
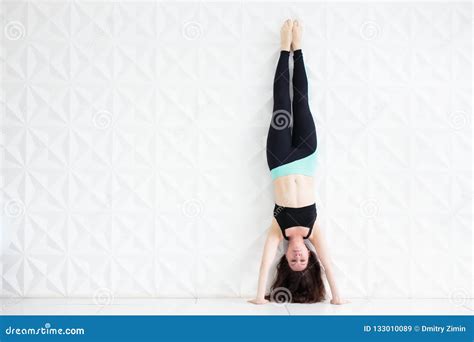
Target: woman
(291,151)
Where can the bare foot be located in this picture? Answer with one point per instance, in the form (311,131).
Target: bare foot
(296,34)
(285,34)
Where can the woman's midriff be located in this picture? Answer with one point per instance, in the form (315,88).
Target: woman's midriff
(294,191)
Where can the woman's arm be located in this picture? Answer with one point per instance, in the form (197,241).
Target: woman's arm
(318,240)
(274,237)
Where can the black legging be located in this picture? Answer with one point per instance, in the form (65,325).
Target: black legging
(283,145)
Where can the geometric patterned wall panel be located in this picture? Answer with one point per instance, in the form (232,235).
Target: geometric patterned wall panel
(133,145)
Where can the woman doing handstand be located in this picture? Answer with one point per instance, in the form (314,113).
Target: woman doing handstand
(291,157)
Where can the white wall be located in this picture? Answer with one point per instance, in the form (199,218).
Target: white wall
(134,159)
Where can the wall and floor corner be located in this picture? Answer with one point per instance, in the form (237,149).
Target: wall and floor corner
(133,146)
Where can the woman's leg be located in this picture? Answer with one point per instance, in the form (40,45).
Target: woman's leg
(279,134)
(304,130)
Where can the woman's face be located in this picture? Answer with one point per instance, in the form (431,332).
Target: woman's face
(297,256)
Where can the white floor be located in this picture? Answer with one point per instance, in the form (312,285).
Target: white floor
(229,306)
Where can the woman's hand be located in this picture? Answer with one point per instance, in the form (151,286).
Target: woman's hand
(258,301)
(339,301)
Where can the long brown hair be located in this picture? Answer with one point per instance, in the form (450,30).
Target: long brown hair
(298,286)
